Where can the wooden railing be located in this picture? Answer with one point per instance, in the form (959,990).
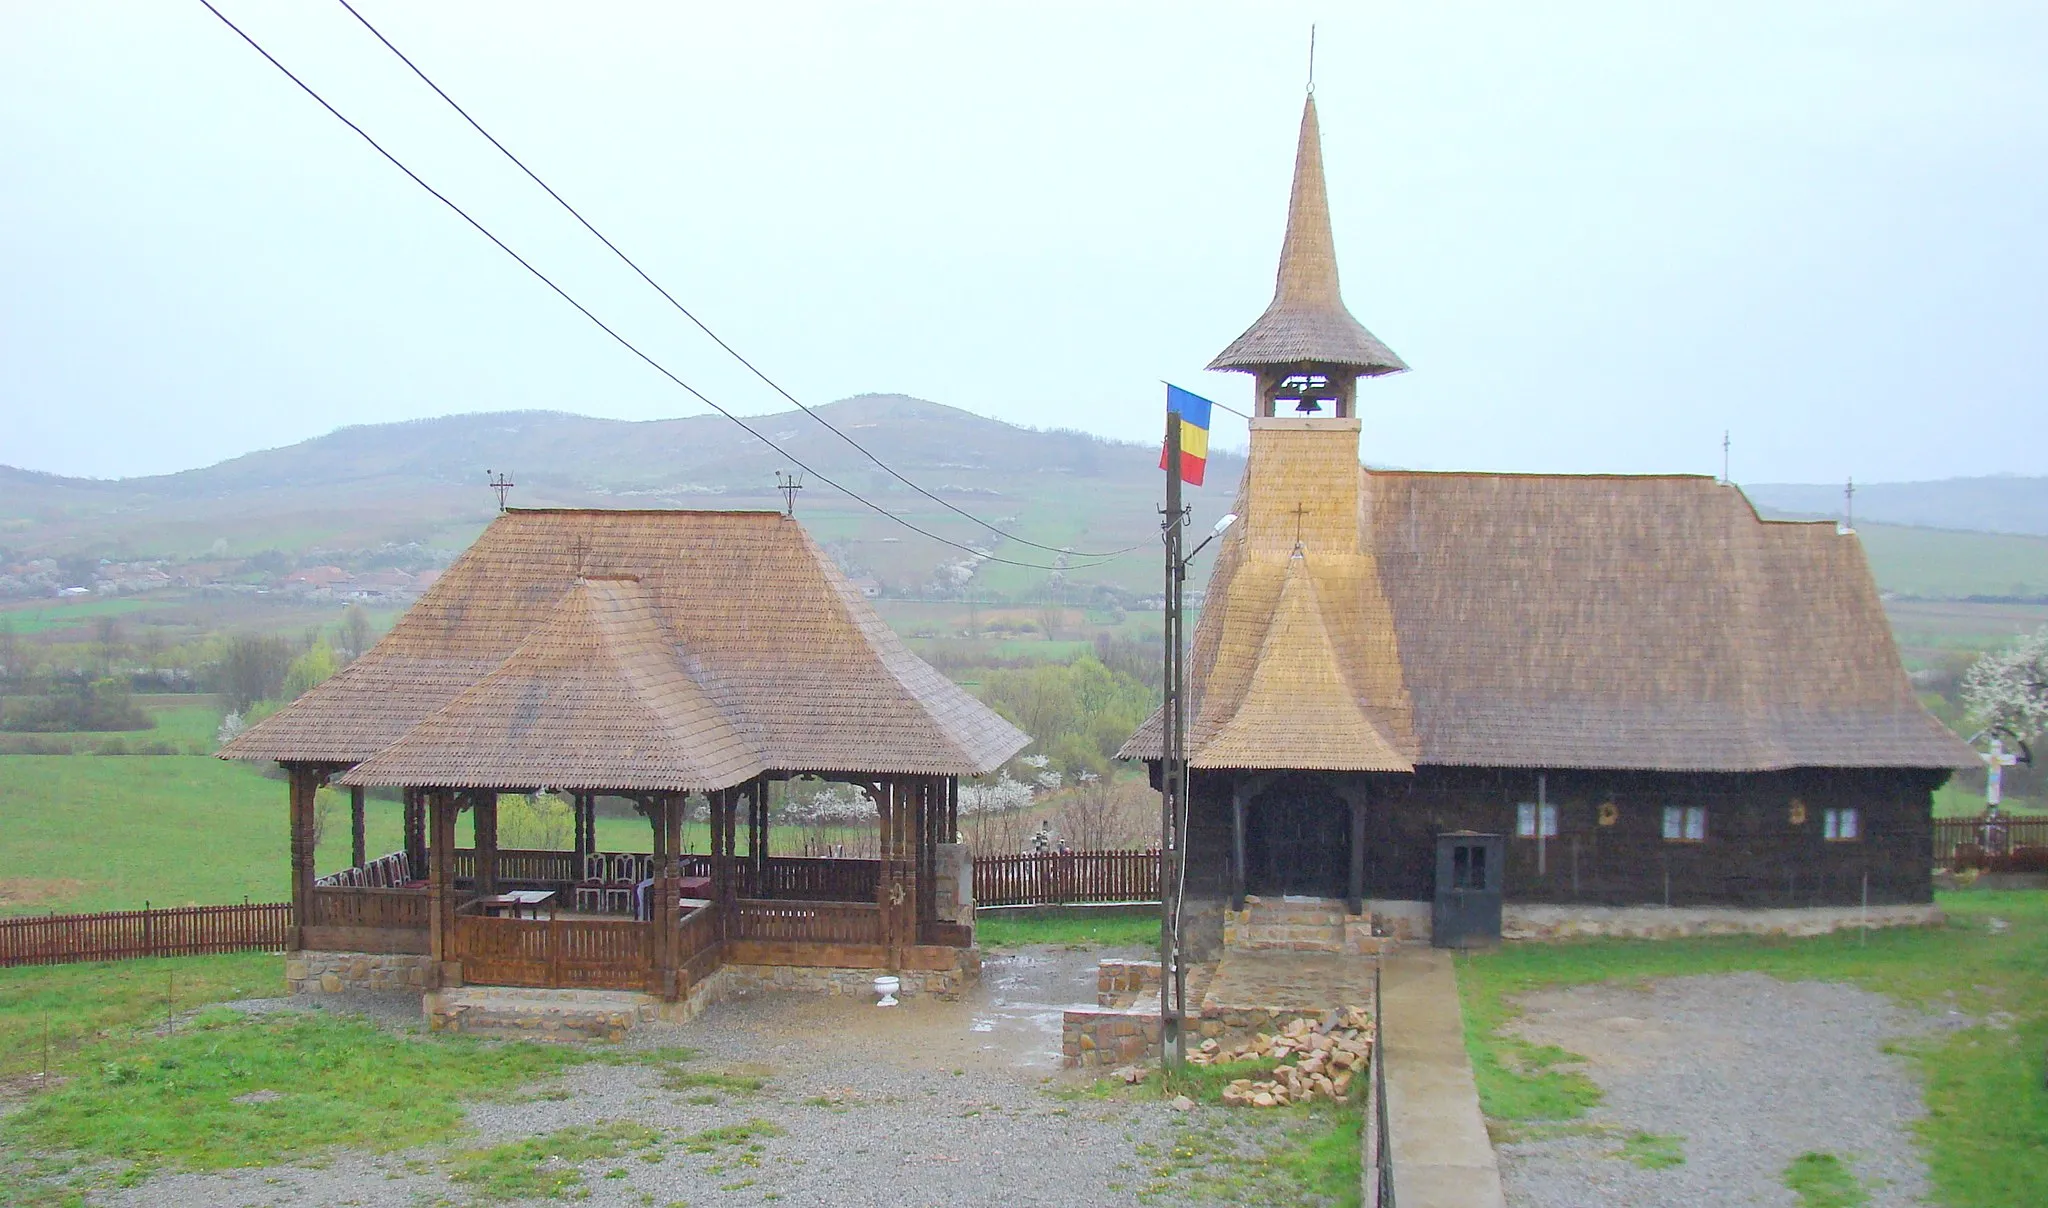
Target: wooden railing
(609,954)
(700,940)
(1052,878)
(123,934)
(332,906)
(806,922)
(1988,836)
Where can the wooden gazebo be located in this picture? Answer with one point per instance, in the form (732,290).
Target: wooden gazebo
(645,655)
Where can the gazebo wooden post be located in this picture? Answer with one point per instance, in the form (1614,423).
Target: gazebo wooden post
(757,835)
(415,834)
(952,828)
(486,806)
(667,935)
(355,830)
(722,871)
(585,807)
(928,817)
(305,781)
(440,810)
(886,880)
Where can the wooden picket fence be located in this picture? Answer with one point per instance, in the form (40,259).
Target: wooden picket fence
(1068,877)
(125,934)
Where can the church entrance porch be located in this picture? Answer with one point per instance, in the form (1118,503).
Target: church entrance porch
(1297,835)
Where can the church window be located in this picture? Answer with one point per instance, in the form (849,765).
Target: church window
(1685,823)
(1526,815)
(1841,825)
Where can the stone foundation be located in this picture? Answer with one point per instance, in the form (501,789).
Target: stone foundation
(539,1014)
(1108,1036)
(944,984)
(1543,922)
(310,972)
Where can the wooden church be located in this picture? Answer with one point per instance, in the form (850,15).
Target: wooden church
(1654,696)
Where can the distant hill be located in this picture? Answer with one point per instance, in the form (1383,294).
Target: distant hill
(423,481)
(2005,503)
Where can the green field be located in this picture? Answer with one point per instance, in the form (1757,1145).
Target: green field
(43,616)
(1986,1132)
(1946,564)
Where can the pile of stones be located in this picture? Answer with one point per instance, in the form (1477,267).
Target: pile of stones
(1315,1062)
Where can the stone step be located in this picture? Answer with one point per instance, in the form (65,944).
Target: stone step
(532,1014)
(1299,925)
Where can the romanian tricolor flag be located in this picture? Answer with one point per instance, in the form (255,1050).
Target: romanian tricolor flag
(1193,413)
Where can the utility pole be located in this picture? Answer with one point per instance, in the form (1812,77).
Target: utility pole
(1172,765)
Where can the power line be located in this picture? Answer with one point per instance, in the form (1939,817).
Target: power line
(628,345)
(685,311)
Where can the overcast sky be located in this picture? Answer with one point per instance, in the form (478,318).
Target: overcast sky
(1600,234)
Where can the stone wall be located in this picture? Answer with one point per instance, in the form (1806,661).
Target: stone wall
(1105,1036)
(313,972)
(1121,981)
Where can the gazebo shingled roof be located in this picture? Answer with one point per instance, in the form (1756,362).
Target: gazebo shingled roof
(796,661)
(1307,322)
(600,697)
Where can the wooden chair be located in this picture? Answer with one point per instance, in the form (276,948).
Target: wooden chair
(590,890)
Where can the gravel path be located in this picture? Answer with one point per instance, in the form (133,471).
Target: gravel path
(1748,1071)
(932,1103)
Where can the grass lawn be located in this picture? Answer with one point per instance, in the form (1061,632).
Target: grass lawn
(1074,928)
(223,1089)
(1986,1133)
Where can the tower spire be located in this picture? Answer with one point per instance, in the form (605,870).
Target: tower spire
(1307,327)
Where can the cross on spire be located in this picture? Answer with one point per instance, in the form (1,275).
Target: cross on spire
(789,484)
(502,484)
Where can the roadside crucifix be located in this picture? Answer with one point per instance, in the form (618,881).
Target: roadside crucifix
(1995,762)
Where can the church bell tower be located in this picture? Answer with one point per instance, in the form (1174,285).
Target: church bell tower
(1306,351)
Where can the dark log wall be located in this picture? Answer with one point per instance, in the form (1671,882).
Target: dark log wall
(1753,855)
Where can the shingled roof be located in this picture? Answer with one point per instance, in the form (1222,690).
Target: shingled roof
(1307,321)
(600,696)
(1558,621)
(723,643)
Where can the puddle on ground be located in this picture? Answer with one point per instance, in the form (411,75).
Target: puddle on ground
(1009,1020)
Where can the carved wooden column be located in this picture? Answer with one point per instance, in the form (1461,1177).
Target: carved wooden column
(486,843)
(440,810)
(355,830)
(305,784)
(667,935)
(416,834)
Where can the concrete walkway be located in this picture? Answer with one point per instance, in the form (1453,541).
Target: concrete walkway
(1442,1157)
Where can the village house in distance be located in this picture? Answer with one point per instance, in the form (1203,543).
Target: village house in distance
(650,656)
(1644,695)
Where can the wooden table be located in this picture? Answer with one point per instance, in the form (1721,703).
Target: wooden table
(515,900)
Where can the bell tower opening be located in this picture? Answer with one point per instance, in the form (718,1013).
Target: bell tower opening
(1311,391)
